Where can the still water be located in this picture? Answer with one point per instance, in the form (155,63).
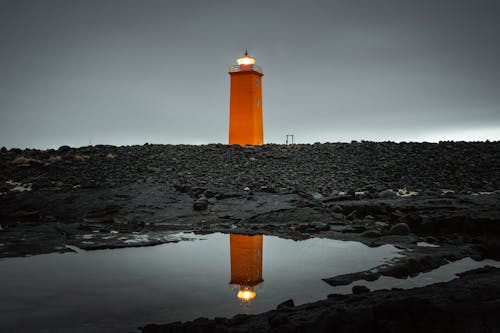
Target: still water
(211,275)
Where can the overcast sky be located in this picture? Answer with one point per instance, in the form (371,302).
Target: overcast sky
(135,71)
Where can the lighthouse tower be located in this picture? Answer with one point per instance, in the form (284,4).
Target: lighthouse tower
(245,105)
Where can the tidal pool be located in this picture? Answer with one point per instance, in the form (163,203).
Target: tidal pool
(211,276)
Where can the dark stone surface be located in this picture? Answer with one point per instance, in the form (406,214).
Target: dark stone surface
(410,265)
(400,229)
(201,203)
(356,290)
(447,194)
(286,304)
(320,169)
(468,304)
(299,191)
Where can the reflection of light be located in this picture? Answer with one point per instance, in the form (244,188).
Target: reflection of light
(246,295)
(246,265)
(246,60)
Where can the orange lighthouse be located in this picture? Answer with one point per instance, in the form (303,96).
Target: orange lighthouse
(245,105)
(246,264)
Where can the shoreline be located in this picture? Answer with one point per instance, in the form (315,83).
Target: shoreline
(443,194)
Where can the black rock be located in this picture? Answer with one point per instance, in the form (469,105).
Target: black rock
(277,319)
(371,234)
(64,149)
(286,304)
(387,194)
(401,229)
(200,204)
(318,226)
(356,290)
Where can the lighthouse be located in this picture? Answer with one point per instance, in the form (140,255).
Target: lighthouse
(246,264)
(245,103)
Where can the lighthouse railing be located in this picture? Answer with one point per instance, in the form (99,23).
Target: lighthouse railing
(245,68)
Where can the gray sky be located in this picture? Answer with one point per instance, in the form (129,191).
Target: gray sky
(136,71)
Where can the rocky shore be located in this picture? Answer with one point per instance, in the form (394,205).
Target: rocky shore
(468,304)
(446,195)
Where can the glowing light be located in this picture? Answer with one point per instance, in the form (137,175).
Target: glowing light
(246,295)
(246,60)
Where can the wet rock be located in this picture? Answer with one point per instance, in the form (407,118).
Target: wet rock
(387,194)
(353,216)
(345,279)
(336,297)
(200,203)
(338,216)
(402,268)
(397,215)
(446,307)
(358,228)
(381,224)
(22,215)
(401,229)
(68,190)
(316,196)
(431,240)
(356,290)
(371,234)
(107,210)
(268,189)
(64,149)
(240,318)
(277,319)
(336,209)
(286,304)
(209,193)
(302,227)
(318,226)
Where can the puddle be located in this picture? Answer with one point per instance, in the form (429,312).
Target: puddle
(213,275)
(216,275)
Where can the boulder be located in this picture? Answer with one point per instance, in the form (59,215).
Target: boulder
(286,304)
(401,229)
(201,203)
(356,290)
(387,194)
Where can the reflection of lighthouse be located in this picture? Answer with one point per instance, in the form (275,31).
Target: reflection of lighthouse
(246,264)
(245,105)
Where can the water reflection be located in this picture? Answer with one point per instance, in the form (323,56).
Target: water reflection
(74,292)
(246,265)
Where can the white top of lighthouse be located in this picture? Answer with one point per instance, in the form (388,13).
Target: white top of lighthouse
(245,63)
(246,59)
